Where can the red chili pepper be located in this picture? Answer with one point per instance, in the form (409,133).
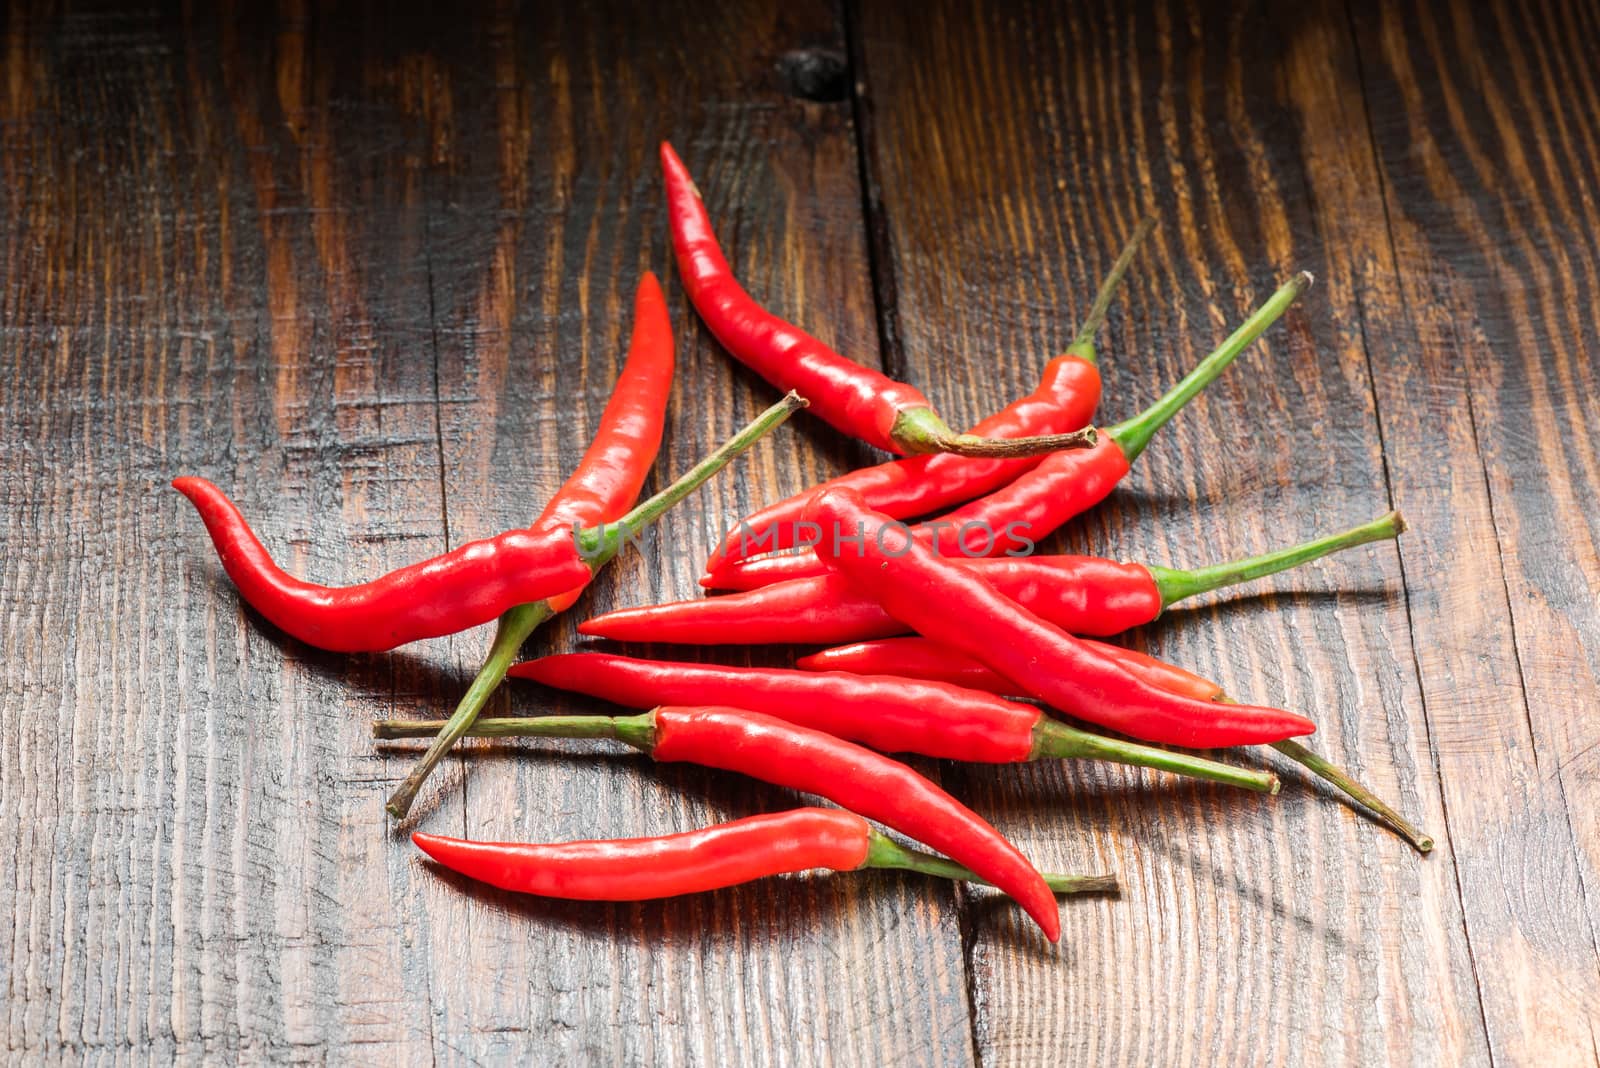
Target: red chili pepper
(1080,594)
(603,487)
(1011,520)
(449,593)
(923,660)
(812,762)
(857,400)
(919,658)
(727,854)
(1065,399)
(607,481)
(891,714)
(953,606)
(461,589)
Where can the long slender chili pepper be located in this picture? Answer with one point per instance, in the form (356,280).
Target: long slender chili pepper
(727,854)
(1080,594)
(462,588)
(850,776)
(600,490)
(919,658)
(857,400)
(608,478)
(1065,399)
(890,714)
(953,606)
(1013,518)
(449,593)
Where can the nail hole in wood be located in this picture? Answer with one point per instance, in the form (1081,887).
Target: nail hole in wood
(816,74)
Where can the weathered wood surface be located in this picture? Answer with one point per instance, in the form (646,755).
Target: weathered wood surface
(371,274)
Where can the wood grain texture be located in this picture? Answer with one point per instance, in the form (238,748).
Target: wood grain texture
(1162,111)
(1493,288)
(372,274)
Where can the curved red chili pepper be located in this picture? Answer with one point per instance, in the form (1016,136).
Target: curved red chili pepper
(928,718)
(890,714)
(860,780)
(613,470)
(954,607)
(866,783)
(1081,594)
(639,869)
(919,658)
(857,400)
(601,490)
(462,588)
(451,592)
(1012,519)
(1065,399)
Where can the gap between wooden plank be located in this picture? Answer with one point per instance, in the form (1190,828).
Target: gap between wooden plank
(1388,487)
(1490,503)
(880,256)
(892,358)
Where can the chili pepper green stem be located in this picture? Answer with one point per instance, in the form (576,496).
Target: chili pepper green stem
(1177,585)
(598,546)
(1083,345)
(885,852)
(1133,435)
(922,430)
(1053,739)
(1340,778)
(513,629)
(637,731)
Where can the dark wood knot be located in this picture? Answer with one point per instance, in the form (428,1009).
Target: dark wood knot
(816,74)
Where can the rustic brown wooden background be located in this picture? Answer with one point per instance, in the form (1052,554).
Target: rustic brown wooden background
(370,273)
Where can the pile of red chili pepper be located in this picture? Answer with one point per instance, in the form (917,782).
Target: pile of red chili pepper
(950,637)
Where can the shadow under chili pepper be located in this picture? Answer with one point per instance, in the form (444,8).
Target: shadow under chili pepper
(1272,602)
(1227,881)
(373,672)
(828,446)
(778,909)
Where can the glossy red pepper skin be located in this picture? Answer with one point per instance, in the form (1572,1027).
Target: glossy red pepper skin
(607,481)
(1040,500)
(919,658)
(891,715)
(954,607)
(1012,519)
(857,400)
(1080,594)
(1065,399)
(465,587)
(641,869)
(857,779)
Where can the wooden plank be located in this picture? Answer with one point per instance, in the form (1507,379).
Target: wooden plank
(1251,931)
(206,278)
(1491,321)
(545,207)
(311,219)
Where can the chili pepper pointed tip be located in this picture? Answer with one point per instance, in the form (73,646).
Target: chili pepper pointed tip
(432,844)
